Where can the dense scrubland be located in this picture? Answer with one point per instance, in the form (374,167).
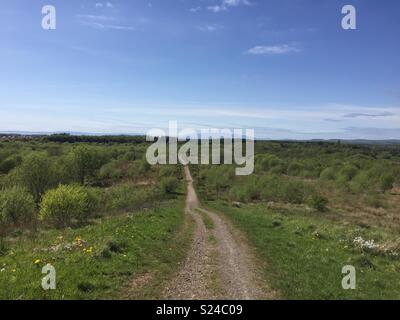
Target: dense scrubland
(311,208)
(95,210)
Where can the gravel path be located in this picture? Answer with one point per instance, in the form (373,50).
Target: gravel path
(228,259)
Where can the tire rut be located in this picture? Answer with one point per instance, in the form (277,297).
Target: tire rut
(229,259)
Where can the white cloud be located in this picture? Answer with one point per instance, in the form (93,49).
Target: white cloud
(195,9)
(225,4)
(94,17)
(210,27)
(276,49)
(101,5)
(102,26)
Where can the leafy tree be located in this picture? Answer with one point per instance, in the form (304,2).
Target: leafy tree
(16,206)
(84,162)
(36,174)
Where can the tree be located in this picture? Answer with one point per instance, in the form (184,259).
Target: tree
(16,206)
(84,162)
(36,174)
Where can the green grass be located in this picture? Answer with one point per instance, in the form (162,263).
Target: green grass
(304,255)
(113,250)
(208,223)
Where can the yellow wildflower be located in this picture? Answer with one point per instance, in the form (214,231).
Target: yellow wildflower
(37,261)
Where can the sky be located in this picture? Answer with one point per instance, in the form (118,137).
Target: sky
(283,67)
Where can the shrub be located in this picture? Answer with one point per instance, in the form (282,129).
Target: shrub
(16,206)
(327,174)
(295,169)
(347,173)
(66,204)
(362,182)
(268,162)
(36,175)
(386,182)
(294,192)
(111,170)
(375,200)
(247,191)
(169,185)
(84,162)
(168,171)
(318,202)
(128,197)
(7,165)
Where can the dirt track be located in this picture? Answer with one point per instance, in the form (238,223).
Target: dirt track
(219,265)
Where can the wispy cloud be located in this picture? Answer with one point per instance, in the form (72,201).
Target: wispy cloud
(195,9)
(369,115)
(106,4)
(102,22)
(94,17)
(225,4)
(210,27)
(103,26)
(275,49)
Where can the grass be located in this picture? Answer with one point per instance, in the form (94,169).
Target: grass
(96,261)
(304,255)
(208,223)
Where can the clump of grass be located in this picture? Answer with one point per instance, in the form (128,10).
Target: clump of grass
(86,287)
(117,246)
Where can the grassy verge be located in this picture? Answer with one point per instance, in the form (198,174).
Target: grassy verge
(95,261)
(304,255)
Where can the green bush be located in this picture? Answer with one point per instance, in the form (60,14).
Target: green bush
(362,182)
(245,192)
(318,202)
(111,170)
(66,204)
(269,162)
(295,169)
(168,171)
(84,162)
(327,174)
(7,165)
(294,192)
(169,185)
(129,197)
(16,206)
(347,173)
(36,174)
(386,182)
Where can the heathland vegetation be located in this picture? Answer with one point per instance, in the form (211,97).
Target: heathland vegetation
(93,208)
(108,221)
(311,208)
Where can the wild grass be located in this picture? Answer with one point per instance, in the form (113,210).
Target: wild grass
(304,255)
(95,261)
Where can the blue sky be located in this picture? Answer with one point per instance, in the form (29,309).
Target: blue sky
(283,67)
